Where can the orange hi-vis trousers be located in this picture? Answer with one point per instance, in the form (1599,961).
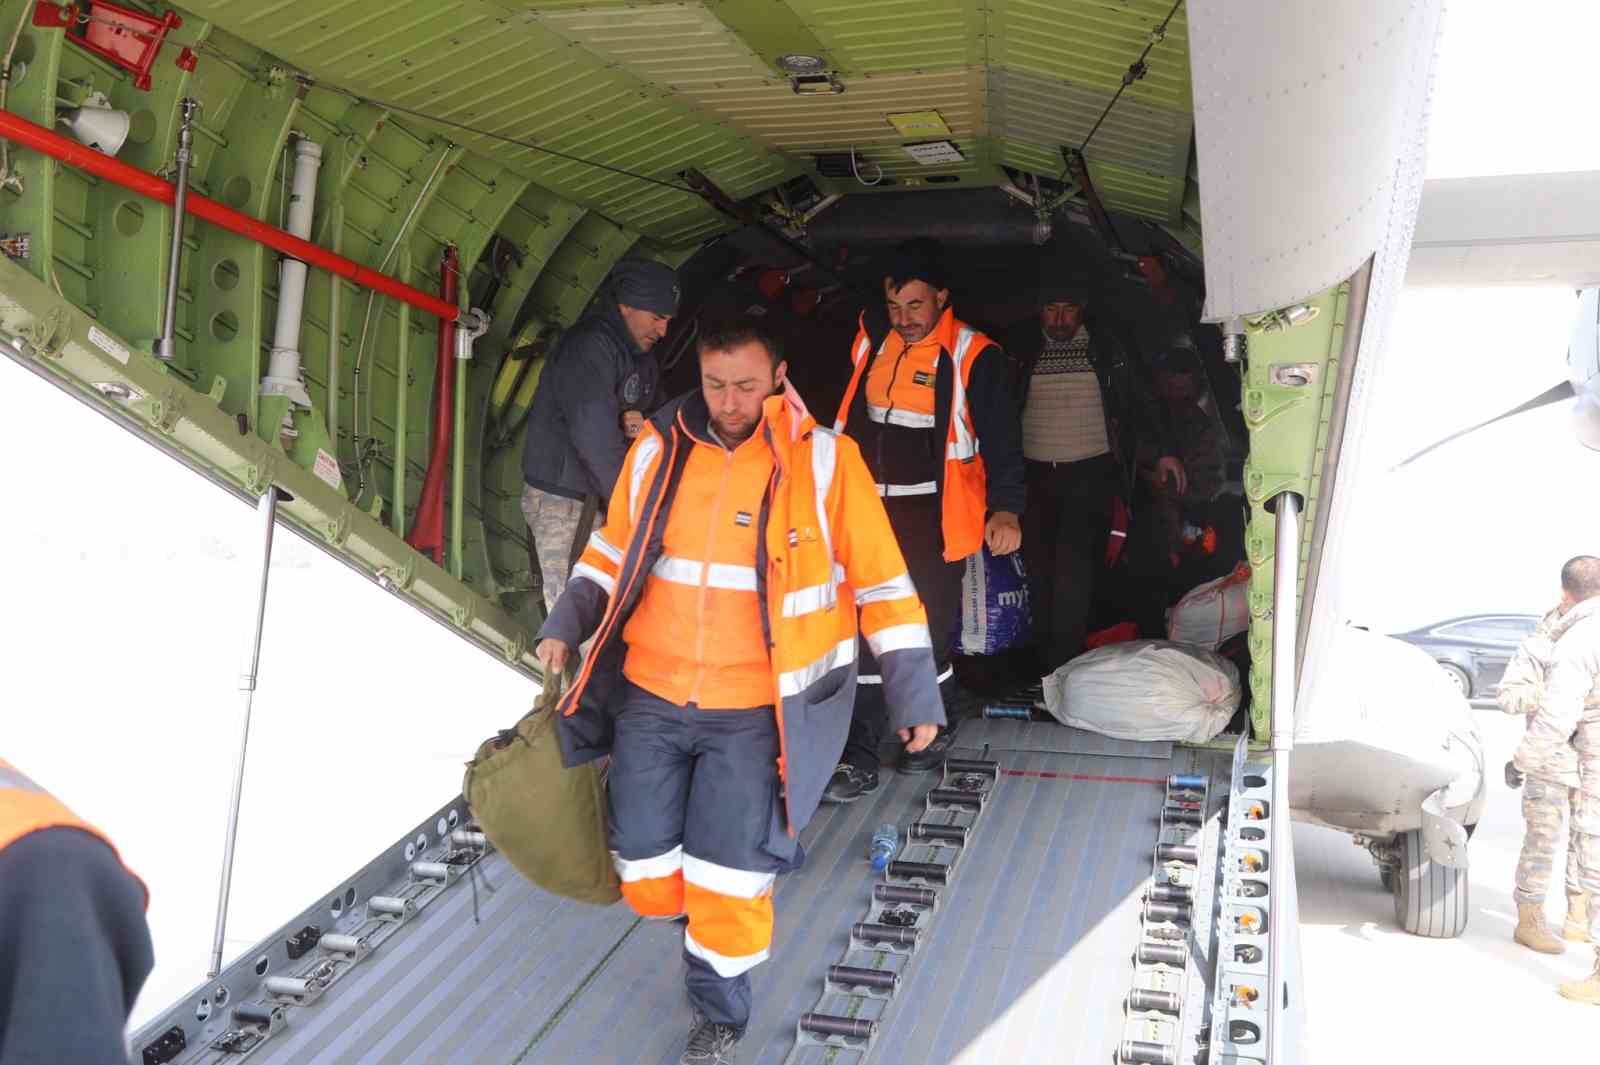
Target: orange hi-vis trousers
(694,809)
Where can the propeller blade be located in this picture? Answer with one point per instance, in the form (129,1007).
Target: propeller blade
(1555,394)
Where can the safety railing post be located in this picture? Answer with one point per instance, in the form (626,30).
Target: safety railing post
(250,661)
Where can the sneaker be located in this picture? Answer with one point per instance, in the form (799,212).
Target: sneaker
(930,757)
(710,1043)
(849,783)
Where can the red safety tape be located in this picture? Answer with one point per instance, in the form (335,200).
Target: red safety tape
(1043,775)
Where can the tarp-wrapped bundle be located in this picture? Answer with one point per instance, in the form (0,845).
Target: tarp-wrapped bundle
(1146,690)
(1212,613)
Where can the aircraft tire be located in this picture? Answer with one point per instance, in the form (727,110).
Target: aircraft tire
(1430,900)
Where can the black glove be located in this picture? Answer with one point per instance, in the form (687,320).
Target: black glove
(1514,776)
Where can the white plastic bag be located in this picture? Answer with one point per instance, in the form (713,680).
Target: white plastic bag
(1214,612)
(1145,690)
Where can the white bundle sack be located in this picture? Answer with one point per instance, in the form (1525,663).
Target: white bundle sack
(1145,690)
(1215,611)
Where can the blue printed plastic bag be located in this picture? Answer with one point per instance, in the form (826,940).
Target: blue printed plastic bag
(994,605)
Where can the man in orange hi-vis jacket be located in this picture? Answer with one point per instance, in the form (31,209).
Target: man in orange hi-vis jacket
(930,402)
(744,549)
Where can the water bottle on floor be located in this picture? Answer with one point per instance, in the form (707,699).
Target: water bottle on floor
(885,841)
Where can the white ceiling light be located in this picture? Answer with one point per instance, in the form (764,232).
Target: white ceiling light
(800,63)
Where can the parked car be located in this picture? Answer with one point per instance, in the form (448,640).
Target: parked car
(1473,651)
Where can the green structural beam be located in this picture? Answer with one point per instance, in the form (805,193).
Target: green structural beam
(1291,378)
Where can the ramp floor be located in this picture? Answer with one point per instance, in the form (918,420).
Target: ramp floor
(1029,957)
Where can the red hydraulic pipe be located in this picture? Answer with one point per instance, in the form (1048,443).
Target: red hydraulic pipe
(427,531)
(19,130)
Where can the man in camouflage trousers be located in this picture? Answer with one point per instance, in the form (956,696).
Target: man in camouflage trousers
(1569,713)
(1547,801)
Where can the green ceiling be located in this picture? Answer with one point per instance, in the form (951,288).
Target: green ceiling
(658,87)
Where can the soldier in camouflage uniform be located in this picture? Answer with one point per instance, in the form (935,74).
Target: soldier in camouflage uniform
(1569,713)
(1546,801)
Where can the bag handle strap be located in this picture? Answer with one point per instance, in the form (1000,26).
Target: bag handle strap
(550,693)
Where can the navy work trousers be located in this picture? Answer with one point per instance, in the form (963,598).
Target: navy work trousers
(697,830)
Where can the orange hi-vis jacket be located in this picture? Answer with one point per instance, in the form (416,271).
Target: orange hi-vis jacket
(26,808)
(825,561)
(953,348)
(696,635)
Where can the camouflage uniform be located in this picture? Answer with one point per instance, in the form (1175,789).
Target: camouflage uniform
(1569,714)
(553,521)
(1547,798)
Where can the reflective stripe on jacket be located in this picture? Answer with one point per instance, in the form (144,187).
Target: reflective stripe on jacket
(26,808)
(825,556)
(964,487)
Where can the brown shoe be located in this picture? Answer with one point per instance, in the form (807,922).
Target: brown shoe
(1588,989)
(1576,929)
(1531,931)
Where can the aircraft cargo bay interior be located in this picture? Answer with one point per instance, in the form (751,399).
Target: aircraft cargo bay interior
(916,454)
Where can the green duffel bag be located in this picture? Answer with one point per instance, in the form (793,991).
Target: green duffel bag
(549,821)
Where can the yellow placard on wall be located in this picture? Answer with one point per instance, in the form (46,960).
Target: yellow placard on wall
(919,124)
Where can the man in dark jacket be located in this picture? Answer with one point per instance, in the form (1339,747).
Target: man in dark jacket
(1086,407)
(931,405)
(74,945)
(600,380)
(1193,427)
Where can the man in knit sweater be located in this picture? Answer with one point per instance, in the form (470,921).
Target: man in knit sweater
(1086,408)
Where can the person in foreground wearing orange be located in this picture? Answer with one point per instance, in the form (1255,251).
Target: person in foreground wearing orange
(744,549)
(74,945)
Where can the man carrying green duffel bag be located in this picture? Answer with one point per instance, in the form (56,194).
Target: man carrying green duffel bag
(549,821)
(744,547)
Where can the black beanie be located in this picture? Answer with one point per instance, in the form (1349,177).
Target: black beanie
(647,285)
(1061,282)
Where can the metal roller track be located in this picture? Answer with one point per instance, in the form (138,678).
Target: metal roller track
(1239,1022)
(1168,998)
(254,1001)
(860,991)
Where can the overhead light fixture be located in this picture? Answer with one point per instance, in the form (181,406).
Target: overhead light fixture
(97,124)
(801,63)
(826,84)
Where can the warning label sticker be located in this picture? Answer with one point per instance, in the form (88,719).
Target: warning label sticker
(327,469)
(108,344)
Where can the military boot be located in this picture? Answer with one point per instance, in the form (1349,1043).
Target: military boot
(1531,931)
(1576,930)
(1586,990)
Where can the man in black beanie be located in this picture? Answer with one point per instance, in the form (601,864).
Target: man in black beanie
(1087,408)
(596,386)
